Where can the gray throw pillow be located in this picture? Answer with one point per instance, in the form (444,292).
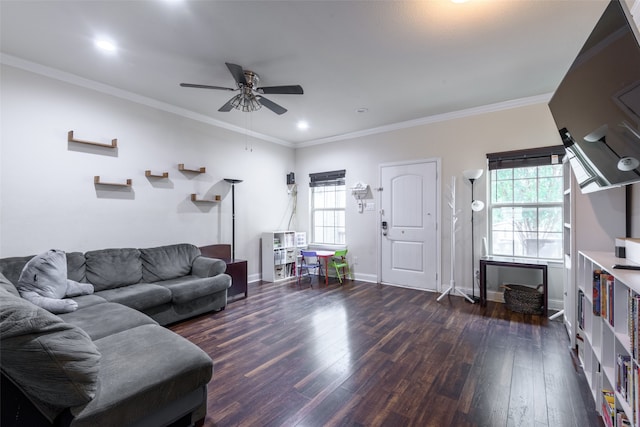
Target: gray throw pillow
(55,363)
(44,282)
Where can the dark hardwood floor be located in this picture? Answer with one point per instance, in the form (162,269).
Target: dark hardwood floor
(369,355)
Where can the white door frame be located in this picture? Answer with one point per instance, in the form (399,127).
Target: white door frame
(438,162)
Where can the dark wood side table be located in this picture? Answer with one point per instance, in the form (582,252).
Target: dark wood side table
(236,268)
(516,263)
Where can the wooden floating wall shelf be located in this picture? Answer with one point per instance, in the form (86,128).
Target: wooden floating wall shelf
(183,169)
(194,198)
(96,180)
(148,174)
(70,138)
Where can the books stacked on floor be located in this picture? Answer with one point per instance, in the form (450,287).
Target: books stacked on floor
(603,283)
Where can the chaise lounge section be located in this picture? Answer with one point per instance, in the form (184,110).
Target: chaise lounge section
(110,362)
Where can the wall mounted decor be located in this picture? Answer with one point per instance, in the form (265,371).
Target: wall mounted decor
(148,174)
(70,138)
(96,180)
(194,198)
(183,169)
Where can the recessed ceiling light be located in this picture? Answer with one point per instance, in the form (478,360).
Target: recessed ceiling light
(362,110)
(303,125)
(105,45)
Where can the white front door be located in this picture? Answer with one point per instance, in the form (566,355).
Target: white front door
(409,214)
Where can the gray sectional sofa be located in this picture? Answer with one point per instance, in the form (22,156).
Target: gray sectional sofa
(111,361)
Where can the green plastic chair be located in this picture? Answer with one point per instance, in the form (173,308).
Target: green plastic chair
(338,262)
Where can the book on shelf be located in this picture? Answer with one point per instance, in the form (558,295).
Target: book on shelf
(603,284)
(622,420)
(631,325)
(607,281)
(624,377)
(581,305)
(596,292)
(604,303)
(608,408)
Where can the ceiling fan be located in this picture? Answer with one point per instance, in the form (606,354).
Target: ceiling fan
(250,97)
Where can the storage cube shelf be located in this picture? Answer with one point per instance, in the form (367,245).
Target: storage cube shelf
(607,322)
(279,255)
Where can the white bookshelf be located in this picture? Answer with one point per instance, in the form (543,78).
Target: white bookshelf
(606,339)
(279,255)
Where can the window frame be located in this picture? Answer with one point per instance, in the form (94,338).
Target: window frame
(335,181)
(543,156)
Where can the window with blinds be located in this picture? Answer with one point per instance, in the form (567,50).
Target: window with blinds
(327,207)
(525,211)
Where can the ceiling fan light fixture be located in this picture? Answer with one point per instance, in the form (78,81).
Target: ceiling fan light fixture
(245,102)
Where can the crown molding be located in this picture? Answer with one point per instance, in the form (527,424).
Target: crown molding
(56,74)
(64,76)
(491,108)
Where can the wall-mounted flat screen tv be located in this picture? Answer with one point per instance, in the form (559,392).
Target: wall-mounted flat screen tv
(597,104)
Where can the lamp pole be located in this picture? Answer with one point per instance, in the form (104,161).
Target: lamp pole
(233,183)
(473,257)
(472,175)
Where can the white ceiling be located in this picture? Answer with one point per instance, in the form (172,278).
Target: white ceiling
(402,60)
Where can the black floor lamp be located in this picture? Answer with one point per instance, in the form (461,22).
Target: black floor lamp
(476,206)
(233,183)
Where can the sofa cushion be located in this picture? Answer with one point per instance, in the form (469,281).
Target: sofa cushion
(167,262)
(139,296)
(127,392)
(112,268)
(188,288)
(84,301)
(54,362)
(12,267)
(8,286)
(121,318)
(76,269)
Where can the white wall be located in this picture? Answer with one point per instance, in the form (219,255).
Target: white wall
(461,143)
(48,199)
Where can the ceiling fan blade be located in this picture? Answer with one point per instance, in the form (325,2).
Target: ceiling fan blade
(271,105)
(227,107)
(285,90)
(237,72)
(204,86)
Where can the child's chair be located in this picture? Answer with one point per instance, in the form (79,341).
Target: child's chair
(309,261)
(339,262)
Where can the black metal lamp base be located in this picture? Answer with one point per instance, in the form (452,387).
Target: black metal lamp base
(475,299)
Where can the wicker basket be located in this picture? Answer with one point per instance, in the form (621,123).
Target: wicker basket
(523,299)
